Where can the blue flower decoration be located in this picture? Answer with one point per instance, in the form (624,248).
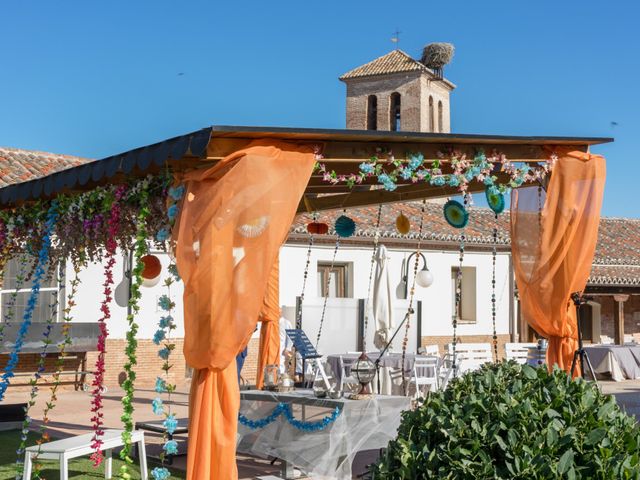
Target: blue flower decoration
(345,227)
(366,168)
(160,473)
(453,181)
(415,161)
(177,192)
(163,235)
(161,386)
(164,302)
(438,181)
(455,214)
(406,174)
(164,353)
(156,405)
(170,424)
(173,270)
(158,336)
(171,447)
(166,322)
(172,211)
(495,200)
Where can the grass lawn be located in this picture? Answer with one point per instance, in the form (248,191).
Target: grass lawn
(78,468)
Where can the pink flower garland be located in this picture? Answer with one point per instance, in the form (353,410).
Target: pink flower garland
(98,380)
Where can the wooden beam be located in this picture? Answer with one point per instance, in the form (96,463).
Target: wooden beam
(375,197)
(336,152)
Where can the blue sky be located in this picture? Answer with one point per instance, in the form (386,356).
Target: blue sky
(93,79)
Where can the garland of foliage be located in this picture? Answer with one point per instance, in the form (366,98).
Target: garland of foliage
(139,250)
(481,168)
(98,378)
(22,277)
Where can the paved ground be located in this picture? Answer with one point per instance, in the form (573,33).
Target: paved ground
(72,416)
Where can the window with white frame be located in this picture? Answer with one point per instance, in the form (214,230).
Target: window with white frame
(49,292)
(334,280)
(466,308)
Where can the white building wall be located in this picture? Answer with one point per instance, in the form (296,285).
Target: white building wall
(436,300)
(90,295)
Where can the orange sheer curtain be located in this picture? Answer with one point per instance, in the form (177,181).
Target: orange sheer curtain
(269,353)
(234,219)
(553,250)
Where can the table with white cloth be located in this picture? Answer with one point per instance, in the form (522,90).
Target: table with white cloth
(326,453)
(391,361)
(620,361)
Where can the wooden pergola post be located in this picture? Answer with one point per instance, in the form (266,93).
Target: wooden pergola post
(618,318)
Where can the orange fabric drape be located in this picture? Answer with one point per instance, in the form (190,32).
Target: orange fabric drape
(553,250)
(234,218)
(269,353)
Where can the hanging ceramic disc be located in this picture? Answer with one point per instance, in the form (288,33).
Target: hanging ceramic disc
(317,228)
(495,200)
(455,214)
(403,225)
(345,226)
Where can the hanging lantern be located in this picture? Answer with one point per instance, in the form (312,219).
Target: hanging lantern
(455,214)
(403,225)
(317,228)
(151,271)
(345,226)
(495,200)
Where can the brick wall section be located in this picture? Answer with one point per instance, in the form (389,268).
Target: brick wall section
(442,341)
(148,368)
(251,362)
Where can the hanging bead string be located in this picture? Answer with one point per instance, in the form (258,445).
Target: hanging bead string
(494,253)
(458,296)
(412,292)
(304,280)
(326,291)
(33,382)
(376,240)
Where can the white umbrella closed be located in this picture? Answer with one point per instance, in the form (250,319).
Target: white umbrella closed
(382,300)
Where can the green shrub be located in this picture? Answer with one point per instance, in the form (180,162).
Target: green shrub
(510,421)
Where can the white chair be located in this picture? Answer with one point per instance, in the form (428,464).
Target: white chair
(471,356)
(429,350)
(606,340)
(445,372)
(80,446)
(518,351)
(345,370)
(425,373)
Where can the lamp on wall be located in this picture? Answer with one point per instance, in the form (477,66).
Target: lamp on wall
(424,278)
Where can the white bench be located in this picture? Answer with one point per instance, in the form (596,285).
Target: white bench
(79,446)
(471,356)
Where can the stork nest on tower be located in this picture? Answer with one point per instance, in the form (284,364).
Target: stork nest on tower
(436,55)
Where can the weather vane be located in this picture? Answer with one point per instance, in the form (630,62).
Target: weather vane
(396,36)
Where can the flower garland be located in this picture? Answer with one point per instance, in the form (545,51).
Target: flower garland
(139,250)
(66,335)
(43,259)
(165,326)
(480,168)
(285,410)
(33,382)
(98,378)
(170,423)
(9,309)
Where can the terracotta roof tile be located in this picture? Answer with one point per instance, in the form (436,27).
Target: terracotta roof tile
(18,165)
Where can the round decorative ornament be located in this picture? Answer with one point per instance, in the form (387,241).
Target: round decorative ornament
(364,370)
(495,200)
(151,271)
(345,226)
(254,227)
(317,228)
(455,214)
(403,225)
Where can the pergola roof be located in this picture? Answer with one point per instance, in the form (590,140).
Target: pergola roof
(342,150)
